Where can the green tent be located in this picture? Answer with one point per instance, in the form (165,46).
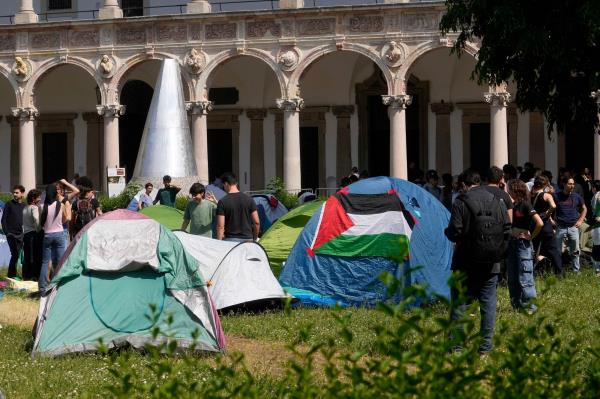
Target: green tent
(169,217)
(115,269)
(281,236)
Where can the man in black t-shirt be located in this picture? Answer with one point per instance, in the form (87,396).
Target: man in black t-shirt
(237,216)
(495,178)
(12,226)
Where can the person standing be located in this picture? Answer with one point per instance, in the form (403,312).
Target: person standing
(596,225)
(519,260)
(54,215)
(496,182)
(63,196)
(12,226)
(85,209)
(33,237)
(570,214)
(480,227)
(544,244)
(145,199)
(200,212)
(237,215)
(432,185)
(168,194)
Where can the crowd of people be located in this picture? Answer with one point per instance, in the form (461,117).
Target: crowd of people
(516,219)
(41,224)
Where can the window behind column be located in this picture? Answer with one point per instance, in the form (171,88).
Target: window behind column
(59,4)
(132,8)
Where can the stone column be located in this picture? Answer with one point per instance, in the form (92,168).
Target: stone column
(292,176)
(344,142)
(441,138)
(498,99)
(523,123)
(95,139)
(26,118)
(290,4)
(551,150)
(331,130)
(26,13)
(111,114)
(198,7)
(110,9)
(270,147)
(596,95)
(257,169)
(397,114)
(200,110)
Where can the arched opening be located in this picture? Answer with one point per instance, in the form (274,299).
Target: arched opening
(136,90)
(8,162)
(68,132)
(242,133)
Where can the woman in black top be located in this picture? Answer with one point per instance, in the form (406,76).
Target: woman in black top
(519,260)
(544,244)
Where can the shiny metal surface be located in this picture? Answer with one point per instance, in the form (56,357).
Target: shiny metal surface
(166,146)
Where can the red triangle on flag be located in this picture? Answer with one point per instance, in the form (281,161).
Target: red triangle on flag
(334,221)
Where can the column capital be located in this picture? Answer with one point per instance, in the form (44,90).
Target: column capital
(256,113)
(596,96)
(497,98)
(398,101)
(199,107)
(442,108)
(290,104)
(25,113)
(111,110)
(343,111)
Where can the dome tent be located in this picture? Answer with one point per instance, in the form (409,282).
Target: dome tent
(269,210)
(114,269)
(170,217)
(237,273)
(373,226)
(279,239)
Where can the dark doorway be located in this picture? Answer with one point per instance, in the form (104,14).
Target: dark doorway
(378,133)
(54,157)
(480,146)
(132,8)
(413,127)
(136,96)
(220,159)
(309,157)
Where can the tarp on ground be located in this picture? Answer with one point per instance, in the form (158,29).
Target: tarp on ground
(237,273)
(117,267)
(329,264)
(4,252)
(280,238)
(170,217)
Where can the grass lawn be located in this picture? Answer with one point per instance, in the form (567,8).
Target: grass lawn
(572,303)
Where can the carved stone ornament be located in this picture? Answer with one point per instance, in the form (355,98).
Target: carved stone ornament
(199,107)
(288,58)
(497,96)
(194,61)
(25,113)
(290,104)
(399,101)
(21,69)
(110,111)
(393,54)
(106,66)
(596,96)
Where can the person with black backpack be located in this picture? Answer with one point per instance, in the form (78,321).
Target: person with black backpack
(480,228)
(85,209)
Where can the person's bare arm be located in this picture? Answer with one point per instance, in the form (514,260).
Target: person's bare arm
(220,227)
(510,214)
(184,225)
(538,225)
(74,191)
(582,214)
(255,225)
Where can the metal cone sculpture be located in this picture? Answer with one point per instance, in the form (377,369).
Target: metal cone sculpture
(166,146)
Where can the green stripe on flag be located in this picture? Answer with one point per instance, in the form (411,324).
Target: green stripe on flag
(387,245)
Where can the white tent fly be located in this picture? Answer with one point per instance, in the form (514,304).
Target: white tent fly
(237,273)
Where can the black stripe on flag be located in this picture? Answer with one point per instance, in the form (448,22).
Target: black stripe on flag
(370,204)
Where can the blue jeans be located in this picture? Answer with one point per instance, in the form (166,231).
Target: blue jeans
(572,236)
(519,271)
(480,286)
(54,248)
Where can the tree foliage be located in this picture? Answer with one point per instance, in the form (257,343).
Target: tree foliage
(550,48)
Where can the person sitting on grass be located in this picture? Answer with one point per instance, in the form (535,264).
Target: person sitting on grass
(167,194)
(200,211)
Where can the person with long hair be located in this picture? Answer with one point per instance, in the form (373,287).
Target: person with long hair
(33,237)
(544,244)
(519,259)
(65,191)
(54,215)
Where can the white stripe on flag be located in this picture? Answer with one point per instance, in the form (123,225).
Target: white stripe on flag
(312,244)
(392,222)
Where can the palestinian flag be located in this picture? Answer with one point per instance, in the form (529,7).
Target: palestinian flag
(352,225)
